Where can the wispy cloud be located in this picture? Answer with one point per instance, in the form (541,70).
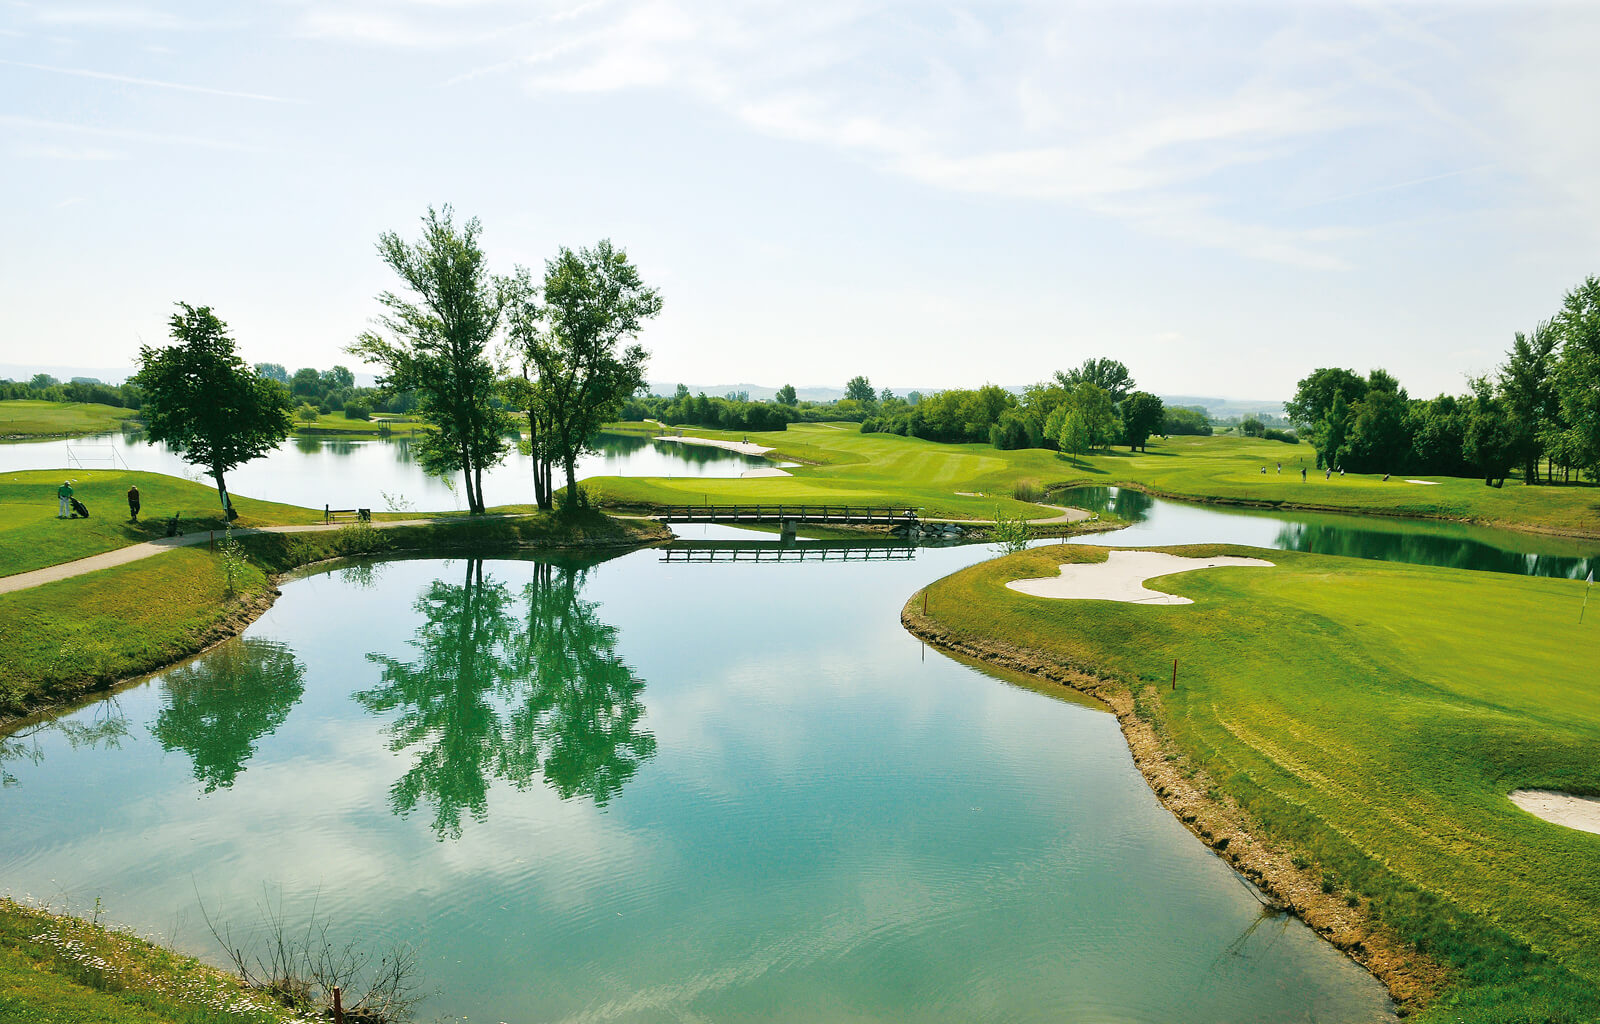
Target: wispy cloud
(126,134)
(120,17)
(107,76)
(53,151)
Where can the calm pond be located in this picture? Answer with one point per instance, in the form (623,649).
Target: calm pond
(1417,541)
(313,471)
(665,786)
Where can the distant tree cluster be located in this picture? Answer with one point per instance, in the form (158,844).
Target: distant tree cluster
(45,388)
(323,392)
(1540,411)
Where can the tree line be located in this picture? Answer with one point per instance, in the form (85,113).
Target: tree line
(476,354)
(45,388)
(1539,411)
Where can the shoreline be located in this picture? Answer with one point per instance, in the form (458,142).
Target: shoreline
(1411,978)
(1295,506)
(249,610)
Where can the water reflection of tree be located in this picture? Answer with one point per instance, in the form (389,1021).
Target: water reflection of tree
(106,727)
(217,708)
(1421,548)
(491,695)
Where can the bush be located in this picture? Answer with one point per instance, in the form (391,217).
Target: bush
(1027,489)
(357,410)
(1286,436)
(306,414)
(325,409)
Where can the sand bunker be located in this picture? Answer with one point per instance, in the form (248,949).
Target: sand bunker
(765,471)
(1425,483)
(1579,812)
(742,447)
(1121,577)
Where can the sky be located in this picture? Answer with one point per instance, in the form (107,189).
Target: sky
(1223,196)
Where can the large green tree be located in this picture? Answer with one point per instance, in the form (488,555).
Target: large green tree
(1142,415)
(201,398)
(574,348)
(1577,377)
(1528,385)
(860,389)
(436,344)
(1108,375)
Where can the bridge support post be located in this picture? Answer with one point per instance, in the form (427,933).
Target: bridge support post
(788,530)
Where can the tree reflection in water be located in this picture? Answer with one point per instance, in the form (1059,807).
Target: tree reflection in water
(107,727)
(217,708)
(510,687)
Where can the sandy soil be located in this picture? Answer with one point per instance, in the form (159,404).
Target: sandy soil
(742,447)
(1425,483)
(1579,812)
(1121,577)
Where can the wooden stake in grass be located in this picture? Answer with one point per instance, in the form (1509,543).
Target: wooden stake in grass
(925,603)
(1174,674)
(338,1006)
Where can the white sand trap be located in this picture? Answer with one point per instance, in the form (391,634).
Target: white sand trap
(742,447)
(765,471)
(1425,483)
(1579,812)
(1121,577)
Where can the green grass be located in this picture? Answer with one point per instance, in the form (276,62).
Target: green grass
(32,537)
(27,417)
(61,970)
(336,423)
(1371,716)
(848,466)
(63,639)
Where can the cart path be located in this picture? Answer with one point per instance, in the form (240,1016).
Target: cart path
(145,549)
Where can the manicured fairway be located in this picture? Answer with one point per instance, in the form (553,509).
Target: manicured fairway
(851,466)
(1373,716)
(27,417)
(31,536)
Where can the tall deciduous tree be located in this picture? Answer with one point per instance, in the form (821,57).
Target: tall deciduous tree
(1142,415)
(573,346)
(200,398)
(1578,376)
(786,395)
(1527,383)
(860,389)
(438,346)
(1108,375)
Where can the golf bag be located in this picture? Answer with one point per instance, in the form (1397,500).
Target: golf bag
(79,509)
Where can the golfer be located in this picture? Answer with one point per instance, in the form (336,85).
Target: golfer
(64,492)
(133,503)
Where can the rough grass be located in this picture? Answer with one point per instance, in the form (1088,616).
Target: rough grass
(62,970)
(1372,716)
(28,417)
(32,537)
(66,638)
(845,465)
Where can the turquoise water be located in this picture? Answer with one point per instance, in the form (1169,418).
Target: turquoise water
(646,790)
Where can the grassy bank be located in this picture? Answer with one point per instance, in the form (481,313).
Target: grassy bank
(62,640)
(62,970)
(1368,720)
(337,424)
(22,418)
(843,465)
(32,537)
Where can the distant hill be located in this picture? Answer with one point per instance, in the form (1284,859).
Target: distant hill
(1228,408)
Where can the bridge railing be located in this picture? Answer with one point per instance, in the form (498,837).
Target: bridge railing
(854,513)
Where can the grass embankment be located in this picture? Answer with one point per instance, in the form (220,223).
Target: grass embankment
(61,970)
(1368,720)
(27,417)
(337,424)
(62,640)
(845,465)
(31,536)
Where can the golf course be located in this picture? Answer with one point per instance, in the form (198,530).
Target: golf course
(1355,726)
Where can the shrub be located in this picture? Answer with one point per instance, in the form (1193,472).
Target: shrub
(306,414)
(357,410)
(1286,436)
(1027,489)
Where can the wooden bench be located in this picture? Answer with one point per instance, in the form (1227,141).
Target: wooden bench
(346,515)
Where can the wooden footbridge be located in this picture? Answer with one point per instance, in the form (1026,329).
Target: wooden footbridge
(854,515)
